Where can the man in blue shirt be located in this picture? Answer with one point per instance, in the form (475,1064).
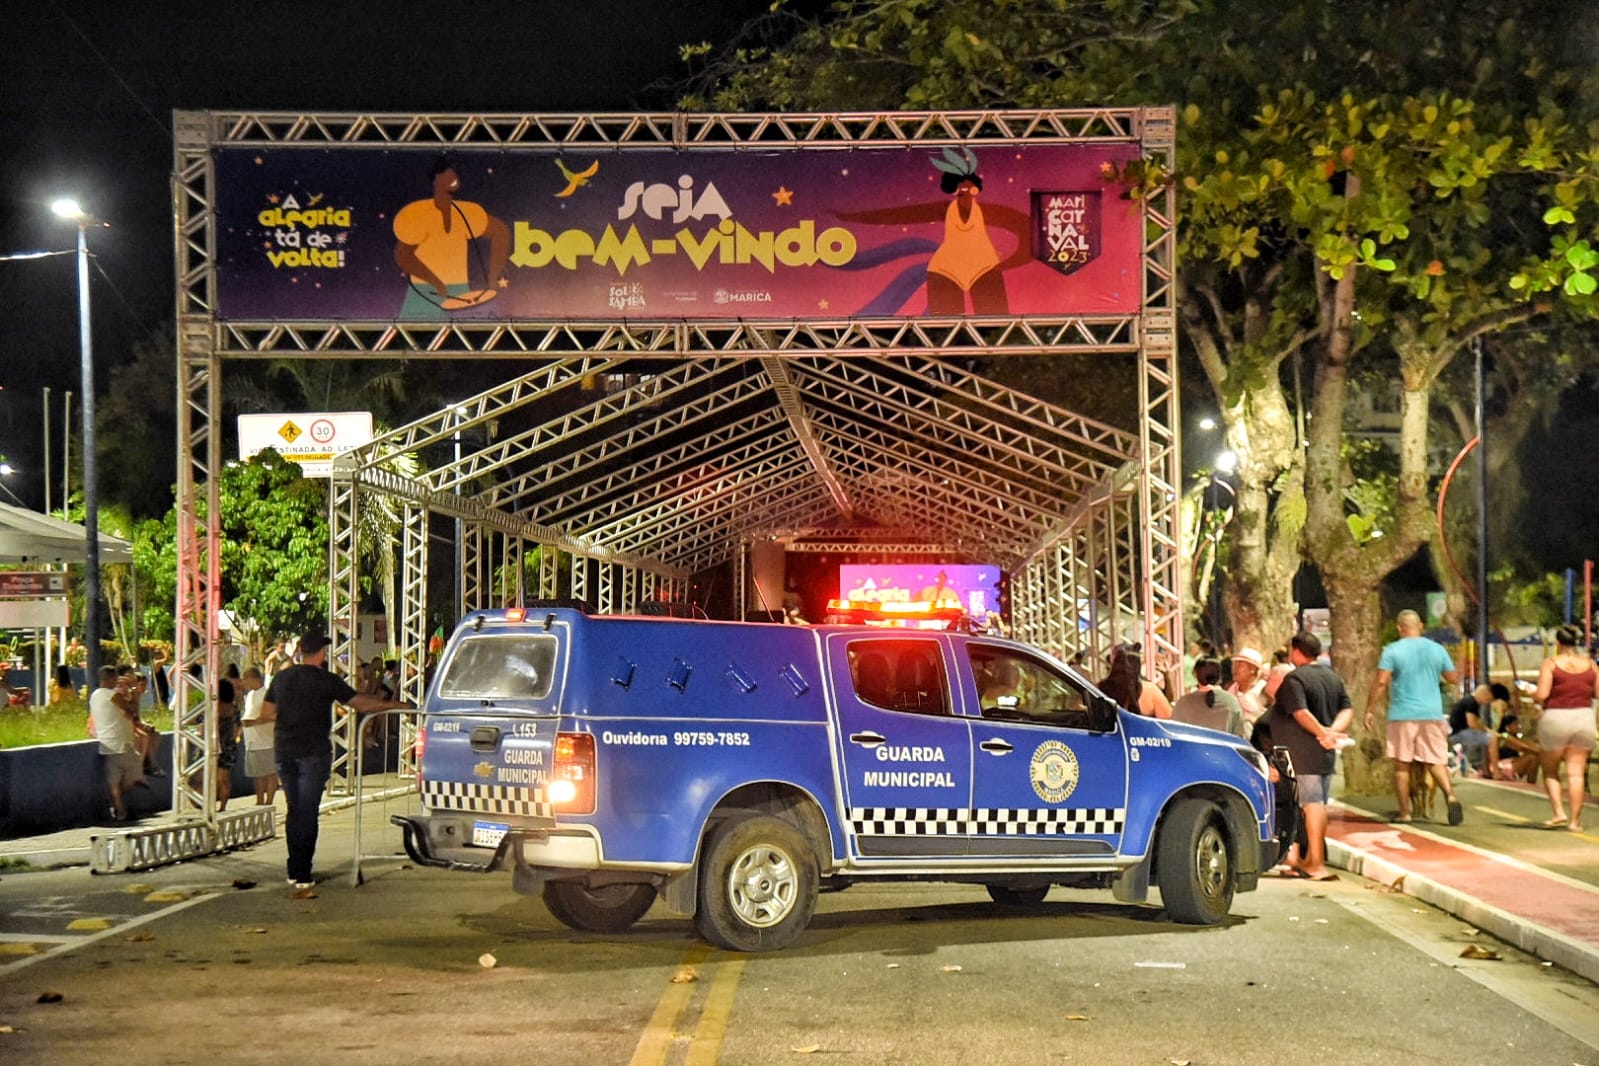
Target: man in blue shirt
(1408,676)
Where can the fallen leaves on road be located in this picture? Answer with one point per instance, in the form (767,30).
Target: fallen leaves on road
(242,883)
(487,961)
(808,1049)
(686,975)
(951,968)
(1477,951)
(1077,1017)
(303,893)
(140,938)
(50,997)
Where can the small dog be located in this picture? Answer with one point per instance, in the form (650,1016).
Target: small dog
(1422,790)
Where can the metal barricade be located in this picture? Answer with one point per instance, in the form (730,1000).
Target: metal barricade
(405,784)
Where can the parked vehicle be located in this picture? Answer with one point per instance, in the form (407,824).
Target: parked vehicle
(732,770)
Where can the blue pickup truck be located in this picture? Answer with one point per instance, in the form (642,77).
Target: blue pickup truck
(733,770)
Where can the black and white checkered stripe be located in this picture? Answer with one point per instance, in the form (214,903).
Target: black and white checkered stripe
(486,799)
(1002,821)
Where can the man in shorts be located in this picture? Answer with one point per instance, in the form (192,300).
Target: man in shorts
(1311,716)
(111,707)
(1408,677)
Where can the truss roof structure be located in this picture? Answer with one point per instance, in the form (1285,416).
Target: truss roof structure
(674,466)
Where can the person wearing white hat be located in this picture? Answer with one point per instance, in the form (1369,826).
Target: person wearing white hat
(1249,684)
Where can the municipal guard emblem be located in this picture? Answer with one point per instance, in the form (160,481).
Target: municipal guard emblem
(1054,771)
(483,769)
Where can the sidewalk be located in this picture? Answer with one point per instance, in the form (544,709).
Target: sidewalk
(72,847)
(1500,870)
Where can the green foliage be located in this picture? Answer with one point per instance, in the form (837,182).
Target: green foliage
(60,723)
(274,542)
(1540,601)
(1369,490)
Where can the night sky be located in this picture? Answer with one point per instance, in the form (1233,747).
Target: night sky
(87,91)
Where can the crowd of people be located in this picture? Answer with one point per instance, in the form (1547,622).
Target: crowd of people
(280,714)
(1300,705)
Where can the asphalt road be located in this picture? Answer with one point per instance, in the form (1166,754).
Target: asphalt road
(185,965)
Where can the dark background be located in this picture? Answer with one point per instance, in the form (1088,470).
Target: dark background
(87,91)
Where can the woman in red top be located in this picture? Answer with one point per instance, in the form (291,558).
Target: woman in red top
(1568,684)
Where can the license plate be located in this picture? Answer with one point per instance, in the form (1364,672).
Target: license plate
(488,834)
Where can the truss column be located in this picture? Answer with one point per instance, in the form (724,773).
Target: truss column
(582,586)
(1159,498)
(413,617)
(741,582)
(549,572)
(199,580)
(630,587)
(344,601)
(471,566)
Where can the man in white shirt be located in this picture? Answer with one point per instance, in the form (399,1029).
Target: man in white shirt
(111,706)
(259,739)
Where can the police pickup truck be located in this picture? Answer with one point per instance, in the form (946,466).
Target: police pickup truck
(733,770)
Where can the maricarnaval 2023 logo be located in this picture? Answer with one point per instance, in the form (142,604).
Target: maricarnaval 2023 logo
(1054,771)
(1066,229)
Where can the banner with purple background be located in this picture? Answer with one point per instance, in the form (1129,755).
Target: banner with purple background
(640,234)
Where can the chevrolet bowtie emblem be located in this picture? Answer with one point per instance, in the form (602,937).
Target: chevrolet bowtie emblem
(483,769)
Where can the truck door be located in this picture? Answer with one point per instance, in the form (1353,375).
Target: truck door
(906,756)
(1043,782)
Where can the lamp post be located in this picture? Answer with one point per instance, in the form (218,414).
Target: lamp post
(70,210)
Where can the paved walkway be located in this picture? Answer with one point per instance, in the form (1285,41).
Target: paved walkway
(1499,869)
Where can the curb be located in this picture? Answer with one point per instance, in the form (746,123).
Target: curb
(1523,933)
(53,859)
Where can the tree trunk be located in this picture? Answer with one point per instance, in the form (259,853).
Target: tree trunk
(1263,548)
(1356,609)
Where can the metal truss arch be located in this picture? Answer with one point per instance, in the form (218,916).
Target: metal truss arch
(618,459)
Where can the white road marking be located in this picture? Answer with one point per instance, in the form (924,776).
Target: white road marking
(82,942)
(1565,1001)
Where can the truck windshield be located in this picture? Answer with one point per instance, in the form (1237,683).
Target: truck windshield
(510,666)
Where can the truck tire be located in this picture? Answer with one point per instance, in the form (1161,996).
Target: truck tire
(758,884)
(1017,897)
(608,909)
(1194,863)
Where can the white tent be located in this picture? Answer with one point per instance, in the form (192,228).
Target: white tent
(28,536)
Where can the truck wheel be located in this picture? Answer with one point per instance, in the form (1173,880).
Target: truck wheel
(608,909)
(1017,897)
(1193,865)
(758,884)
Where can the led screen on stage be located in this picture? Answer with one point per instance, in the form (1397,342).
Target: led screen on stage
(974,587)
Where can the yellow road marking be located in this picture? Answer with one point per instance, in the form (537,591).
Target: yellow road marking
(674,1021)
(656,1040)
(707,1045)
(1496,812)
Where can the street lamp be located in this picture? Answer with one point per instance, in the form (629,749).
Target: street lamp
(6,470)
(70,210)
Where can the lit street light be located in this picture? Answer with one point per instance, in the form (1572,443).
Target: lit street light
(6,470)
(70,210)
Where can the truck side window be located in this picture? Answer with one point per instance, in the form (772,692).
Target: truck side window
(1014,688)
(899,675)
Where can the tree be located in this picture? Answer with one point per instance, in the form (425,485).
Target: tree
(274,540)
(1383,202)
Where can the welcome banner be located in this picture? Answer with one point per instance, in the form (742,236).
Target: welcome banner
(640,234)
